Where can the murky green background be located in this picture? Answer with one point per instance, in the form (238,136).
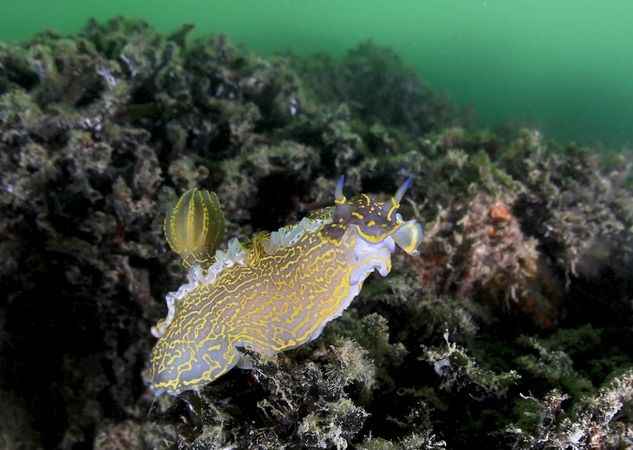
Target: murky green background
(563,65)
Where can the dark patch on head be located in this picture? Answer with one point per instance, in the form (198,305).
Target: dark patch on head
(375,218)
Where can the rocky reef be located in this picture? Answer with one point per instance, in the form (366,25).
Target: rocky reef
(513,328)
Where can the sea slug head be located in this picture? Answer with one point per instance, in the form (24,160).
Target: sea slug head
(195,227)
(376,221)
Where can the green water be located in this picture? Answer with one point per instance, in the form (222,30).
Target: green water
(565,66)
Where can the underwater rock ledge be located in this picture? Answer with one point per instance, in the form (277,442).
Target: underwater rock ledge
(512,328)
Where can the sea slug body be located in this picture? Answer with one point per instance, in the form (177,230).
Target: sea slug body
(278,292)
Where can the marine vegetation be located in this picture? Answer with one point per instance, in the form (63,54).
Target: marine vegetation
(510,324)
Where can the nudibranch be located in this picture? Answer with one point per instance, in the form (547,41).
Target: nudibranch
(278,291)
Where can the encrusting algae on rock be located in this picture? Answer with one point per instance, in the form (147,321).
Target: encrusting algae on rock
(278,292)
